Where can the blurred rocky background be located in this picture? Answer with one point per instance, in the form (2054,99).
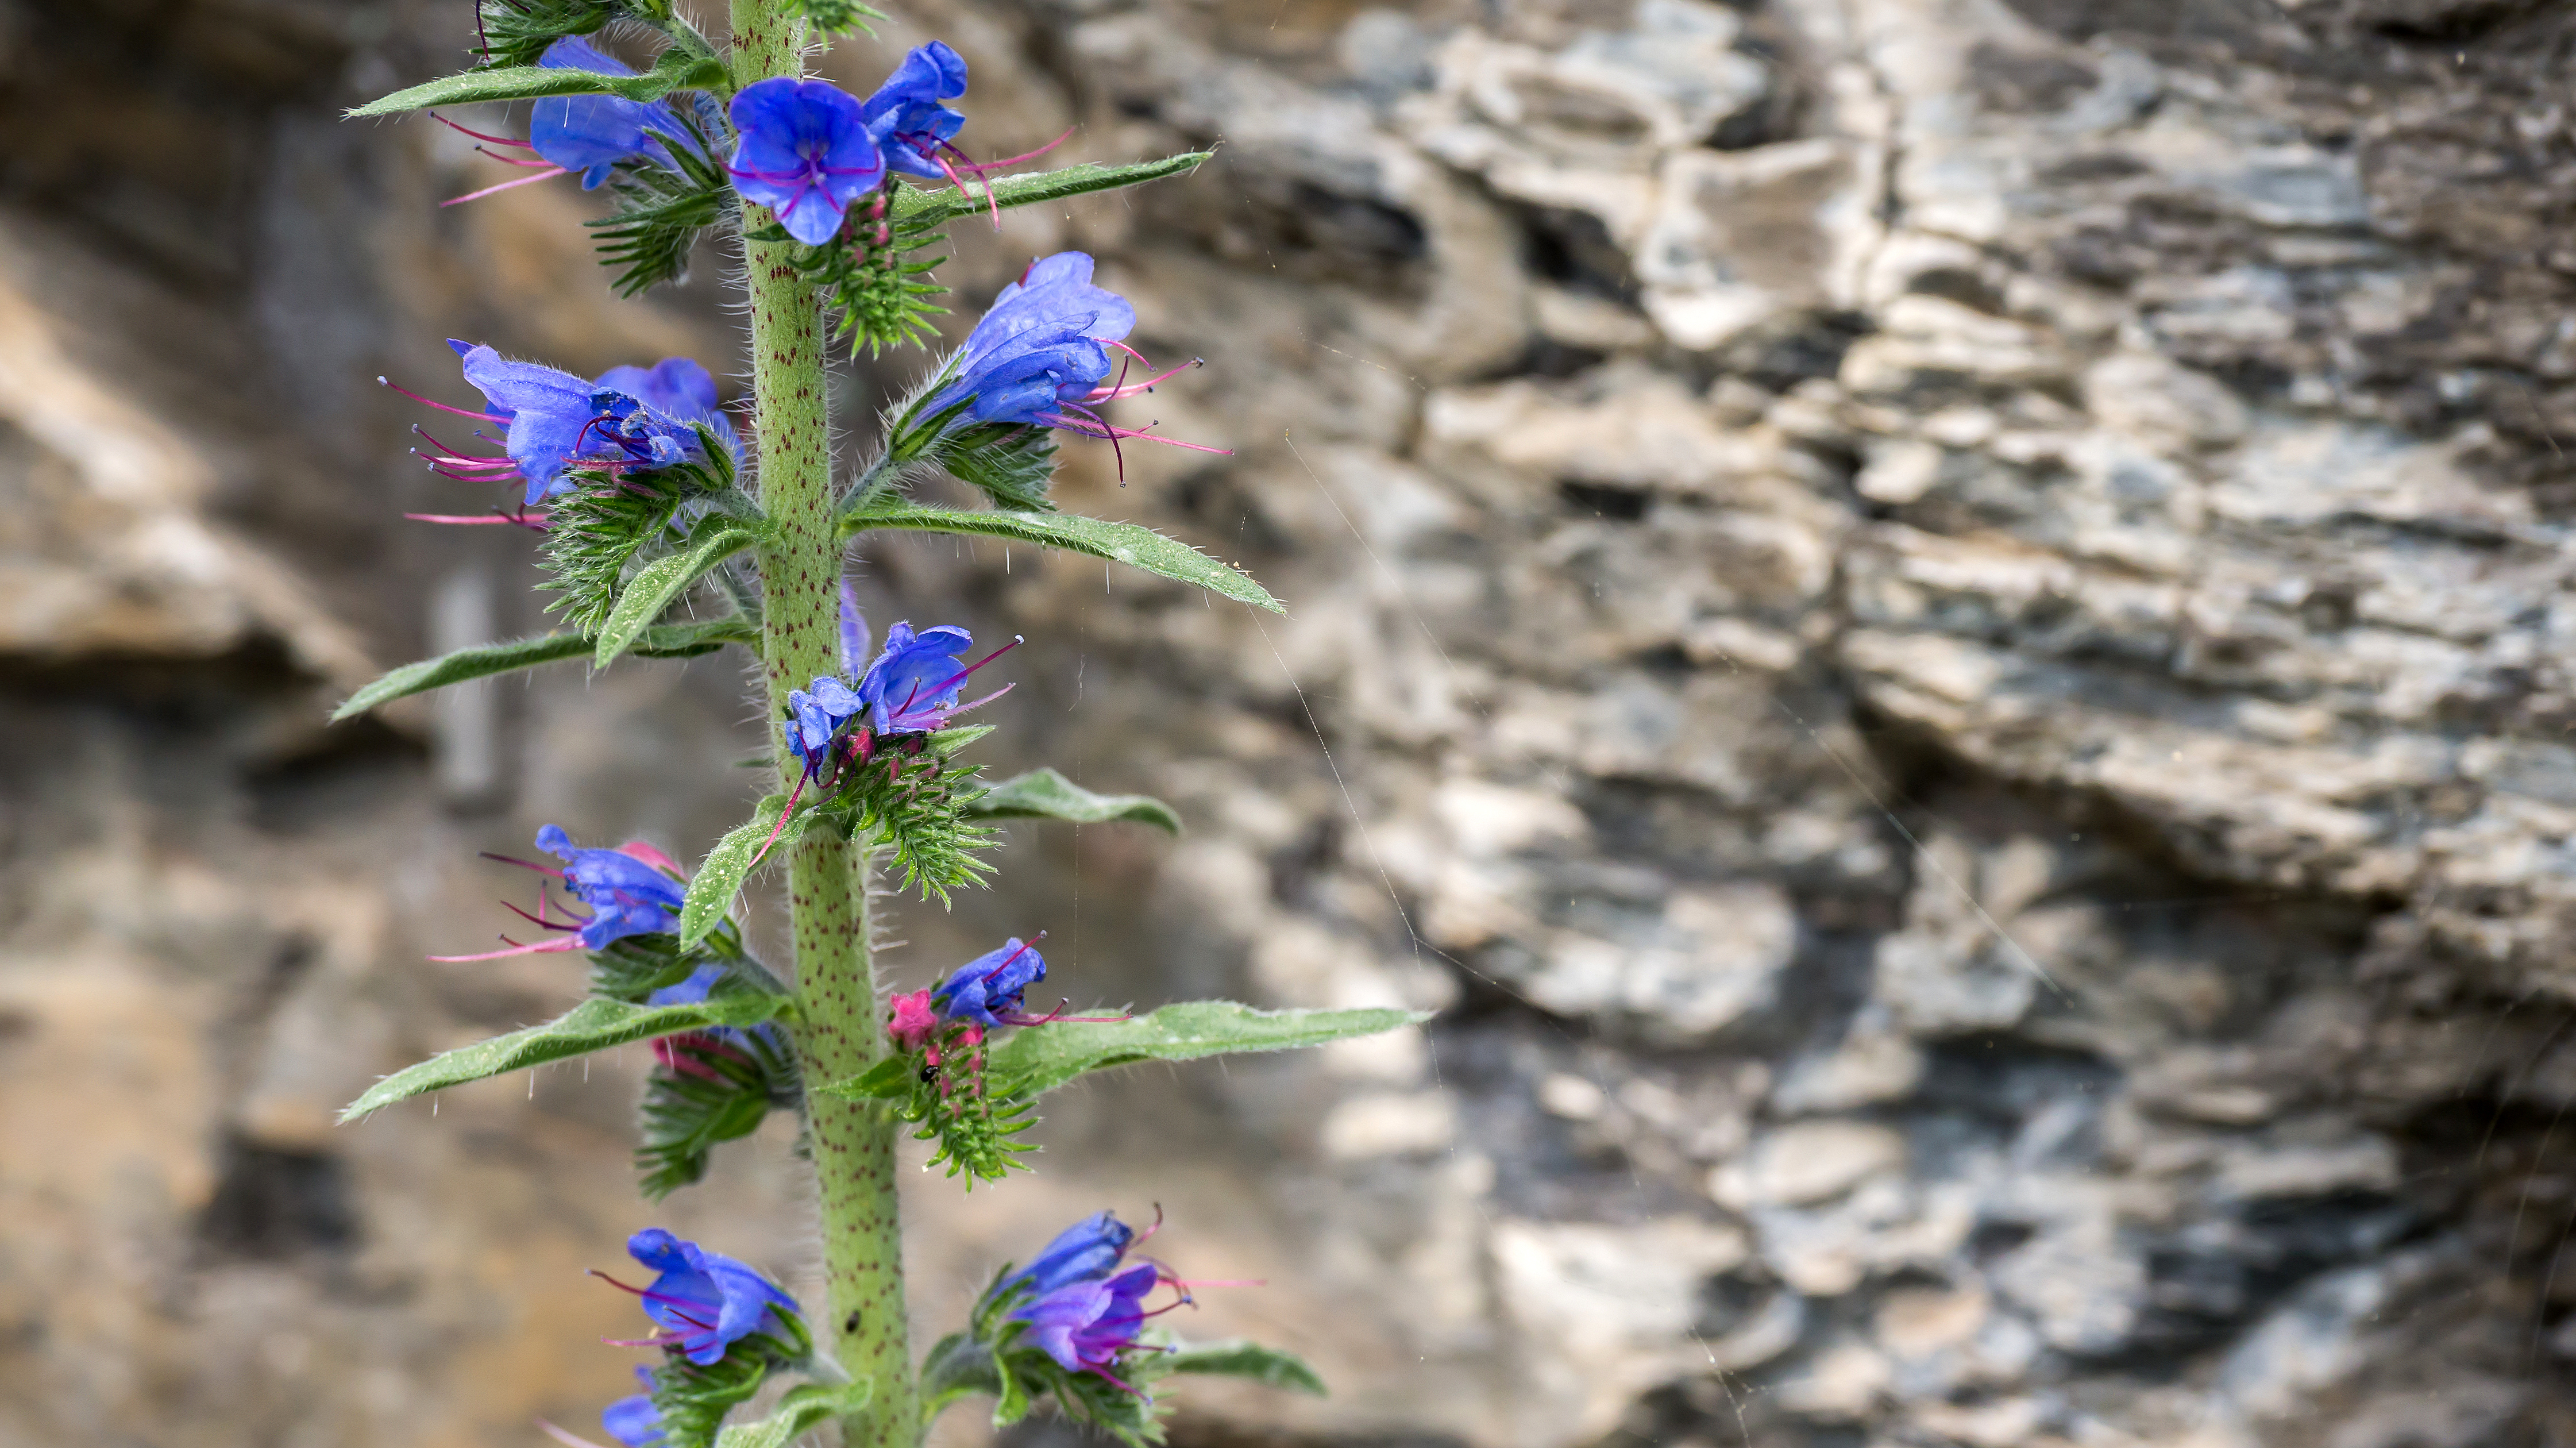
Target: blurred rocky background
(1937,626)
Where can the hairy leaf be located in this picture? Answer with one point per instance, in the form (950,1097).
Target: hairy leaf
(658,583)
(594,1025)
(712,888)
(670,641)
(1128,543)
(676,70)
(1046,795)
(1242,1359)
(802,1409)
(1042,1058)
(916,210)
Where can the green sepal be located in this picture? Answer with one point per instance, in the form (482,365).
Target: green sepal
(918,210)
(732,1087)
(719,879)
(1242,1359)
(678,69)
(1041,1058)
(663,580)
(1128,543)
(803,1409)
(668,641)
(1012,465)
(594,1025)
(1043,794)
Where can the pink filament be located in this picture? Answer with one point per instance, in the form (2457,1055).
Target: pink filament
(546,175)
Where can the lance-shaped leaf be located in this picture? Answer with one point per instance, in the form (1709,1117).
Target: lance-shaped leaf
(1127,543)
(664,579)
(803,1408)
(916,210)
(1240,1359)
(594,1025)
(669,641)
(1042,1058)
(1043,794)
(676,70)
(712,888)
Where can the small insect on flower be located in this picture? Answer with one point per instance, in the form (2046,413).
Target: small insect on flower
(703,1302)
(805,152)
(589,136)
(634,889)
(629,419)
(1040,358)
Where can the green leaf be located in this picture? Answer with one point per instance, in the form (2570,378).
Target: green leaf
(672,641)
(1042,1058)
(916,210)
(1241,1359)
(665,579)
(887,1080)
(594,1025)
(676,70)
(1043,794)
(802,1409)
(1127,543)
(712,888)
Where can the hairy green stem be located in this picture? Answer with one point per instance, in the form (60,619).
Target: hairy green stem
(863,1314)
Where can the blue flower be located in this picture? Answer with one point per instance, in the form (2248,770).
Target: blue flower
(1085,1324)
(634,1421)
(679,388)
(1087,1251)
(591,134)
(1040,347)
(626,896)
(707,1302)
(912,685)
(989,989)
(905,115)
(556,420)
(816,717)
(805,153)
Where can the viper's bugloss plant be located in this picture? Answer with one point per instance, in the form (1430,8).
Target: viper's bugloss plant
(668,533)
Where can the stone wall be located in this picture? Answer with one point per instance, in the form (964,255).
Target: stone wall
(1934,626)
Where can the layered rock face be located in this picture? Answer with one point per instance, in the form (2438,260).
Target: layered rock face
(1935,628)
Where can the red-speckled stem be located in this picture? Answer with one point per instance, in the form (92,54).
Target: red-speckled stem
(862,1313)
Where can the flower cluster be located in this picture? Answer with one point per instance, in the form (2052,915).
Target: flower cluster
(627,418)
(1040,357)
(1080,1302)
(809,150)
(634,889)
(721,1326)
(588,136)
(911,688)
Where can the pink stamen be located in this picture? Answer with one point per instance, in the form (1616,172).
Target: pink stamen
(538,920)
(478,135)
(542,947)
(515,161)
(533,522)
(523,864)
(530,180)
(441,406)
(569,1440)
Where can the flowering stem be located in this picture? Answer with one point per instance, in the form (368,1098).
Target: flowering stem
(800,566)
